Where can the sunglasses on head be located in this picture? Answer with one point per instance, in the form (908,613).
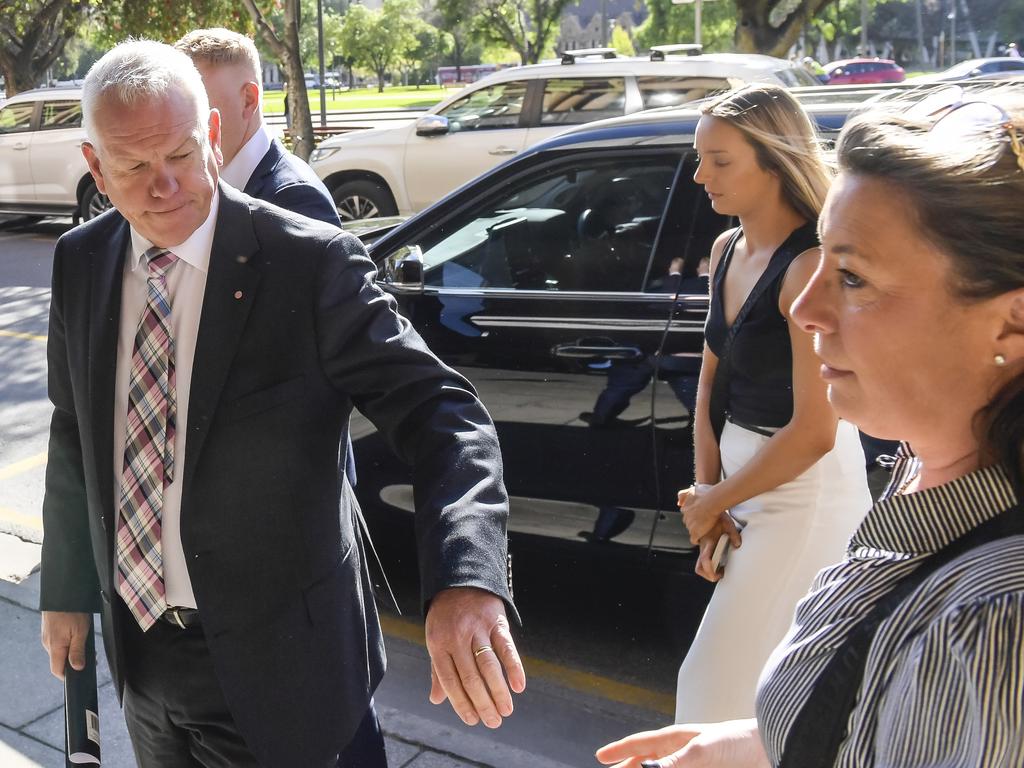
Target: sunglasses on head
(956,118)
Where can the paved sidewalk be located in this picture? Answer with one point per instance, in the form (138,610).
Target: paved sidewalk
(553,727)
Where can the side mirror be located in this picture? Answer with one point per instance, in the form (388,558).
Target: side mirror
(404,270)
(432,125)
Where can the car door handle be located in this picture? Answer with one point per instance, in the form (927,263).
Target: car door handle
(591,351)
(19,145)
(502,151)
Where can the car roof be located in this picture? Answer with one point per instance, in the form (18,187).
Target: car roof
(41,93)
(859,60)
(704,64)
(670,125)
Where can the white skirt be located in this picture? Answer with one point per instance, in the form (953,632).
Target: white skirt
(791,533)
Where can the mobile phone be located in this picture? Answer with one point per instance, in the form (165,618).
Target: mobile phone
(721,553)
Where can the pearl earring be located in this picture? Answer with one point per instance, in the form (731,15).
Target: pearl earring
(999,360)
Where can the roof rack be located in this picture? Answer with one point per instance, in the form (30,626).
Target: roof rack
(659,52)
(569,57)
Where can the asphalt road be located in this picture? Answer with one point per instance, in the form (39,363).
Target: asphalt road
(586,626)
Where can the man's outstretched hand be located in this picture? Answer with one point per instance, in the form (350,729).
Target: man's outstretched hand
(473,659)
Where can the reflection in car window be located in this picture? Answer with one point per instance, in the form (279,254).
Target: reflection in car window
(660,91)
(792,77)
(16,117)
(497,106)
(62,114)
(580,100)
(585,227)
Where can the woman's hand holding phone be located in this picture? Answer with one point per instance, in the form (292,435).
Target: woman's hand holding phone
(714,547)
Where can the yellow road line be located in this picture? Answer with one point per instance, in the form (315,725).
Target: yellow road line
(22,466)
(20,520)
(19,335)
(585,682)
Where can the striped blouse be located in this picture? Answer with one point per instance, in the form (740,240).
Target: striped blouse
(944,680)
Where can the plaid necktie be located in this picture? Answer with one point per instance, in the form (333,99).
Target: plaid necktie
(149,451)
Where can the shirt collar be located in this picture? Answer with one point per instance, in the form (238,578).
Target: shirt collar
(925,521)
(237,172)
(195,250)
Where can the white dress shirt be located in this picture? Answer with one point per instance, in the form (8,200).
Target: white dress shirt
(186,283)
(237,172)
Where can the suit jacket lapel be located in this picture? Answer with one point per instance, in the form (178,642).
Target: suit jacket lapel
(230,291)
(107,277)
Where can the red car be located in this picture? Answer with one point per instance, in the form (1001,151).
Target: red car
(864,72)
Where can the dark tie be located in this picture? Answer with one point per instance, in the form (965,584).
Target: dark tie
(149,451)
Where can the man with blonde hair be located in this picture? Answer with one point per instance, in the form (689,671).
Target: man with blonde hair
(254,161)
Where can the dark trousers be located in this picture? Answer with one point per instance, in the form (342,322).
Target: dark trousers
(177,716)
(627,378)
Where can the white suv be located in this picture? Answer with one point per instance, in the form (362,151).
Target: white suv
(382,172)
(42,170)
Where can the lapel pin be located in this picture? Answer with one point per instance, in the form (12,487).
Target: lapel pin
(238,294)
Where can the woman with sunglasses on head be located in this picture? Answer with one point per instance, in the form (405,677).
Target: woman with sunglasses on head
(909,652)
(771,455)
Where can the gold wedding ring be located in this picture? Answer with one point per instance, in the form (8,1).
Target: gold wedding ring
(481,649)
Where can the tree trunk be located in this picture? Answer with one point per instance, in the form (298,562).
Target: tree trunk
(27,54)
(287,50)
(758,30)
(380,79)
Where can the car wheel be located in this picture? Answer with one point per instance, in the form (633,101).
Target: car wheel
(363,200)
(94,203)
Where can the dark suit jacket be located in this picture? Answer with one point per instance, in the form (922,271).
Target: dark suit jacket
(278,574)
(286,181)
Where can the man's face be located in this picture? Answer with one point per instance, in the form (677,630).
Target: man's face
(233,93)
(150,159)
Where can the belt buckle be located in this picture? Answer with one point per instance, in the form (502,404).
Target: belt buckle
(176,615)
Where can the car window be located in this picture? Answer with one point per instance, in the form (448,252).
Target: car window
(571,101)
(61,114)
(668,91)
(587,225)
(791,77)
(690,229)
(16,117)
(495,106)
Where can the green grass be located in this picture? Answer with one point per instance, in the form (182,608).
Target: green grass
(363,98)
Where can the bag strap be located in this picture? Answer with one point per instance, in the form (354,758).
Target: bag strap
(821,725)
(719,403)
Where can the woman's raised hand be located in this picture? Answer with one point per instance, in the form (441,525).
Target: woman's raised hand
(732,744)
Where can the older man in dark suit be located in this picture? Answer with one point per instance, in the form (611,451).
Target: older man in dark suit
(205,351)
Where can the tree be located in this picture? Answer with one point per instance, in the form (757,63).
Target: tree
(621,42)
(528,27)
(378,39)
(456,18)
(763,26)
(163,19)
(33,36)
(285,45)
(669,24)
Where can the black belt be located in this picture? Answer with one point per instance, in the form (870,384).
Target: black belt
(765,431)
(183,618)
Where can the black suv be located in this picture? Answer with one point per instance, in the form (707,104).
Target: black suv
(547,282)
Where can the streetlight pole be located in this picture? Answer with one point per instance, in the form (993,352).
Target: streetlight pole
(864,27)
(320,54)
(952,35)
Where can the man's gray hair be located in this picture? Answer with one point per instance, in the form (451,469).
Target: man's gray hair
(140,70)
